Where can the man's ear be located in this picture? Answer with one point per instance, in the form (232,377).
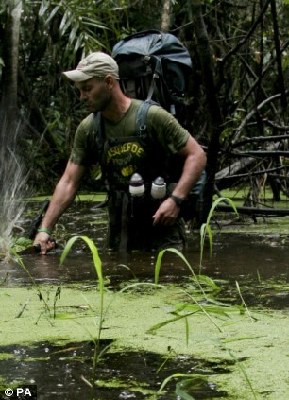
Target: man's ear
(109,81)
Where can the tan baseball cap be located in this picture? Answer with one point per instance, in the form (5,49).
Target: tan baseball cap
(97,64)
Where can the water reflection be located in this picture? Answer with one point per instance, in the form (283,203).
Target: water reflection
(61,372)
(235,256)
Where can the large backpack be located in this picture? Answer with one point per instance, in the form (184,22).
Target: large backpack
(154,65)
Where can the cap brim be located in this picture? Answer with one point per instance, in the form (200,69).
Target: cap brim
(76,75)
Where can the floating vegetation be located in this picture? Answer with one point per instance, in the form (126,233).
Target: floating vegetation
(210,335)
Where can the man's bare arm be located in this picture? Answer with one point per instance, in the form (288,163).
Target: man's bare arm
(194,163)
(63,196)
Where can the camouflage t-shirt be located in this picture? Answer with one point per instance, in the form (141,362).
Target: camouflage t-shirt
(123,154)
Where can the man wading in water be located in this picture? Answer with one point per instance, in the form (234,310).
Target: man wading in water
(137,218)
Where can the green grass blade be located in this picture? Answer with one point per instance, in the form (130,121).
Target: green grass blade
(96,260)
(67,249)
(156,327)
(206,228)
(176,376)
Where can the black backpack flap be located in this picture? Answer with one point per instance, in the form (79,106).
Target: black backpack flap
(175,79)
(152,43)
(134,66)
(157,56)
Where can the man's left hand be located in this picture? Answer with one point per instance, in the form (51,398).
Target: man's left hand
(167,213)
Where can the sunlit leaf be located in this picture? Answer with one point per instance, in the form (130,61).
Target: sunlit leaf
(51,15)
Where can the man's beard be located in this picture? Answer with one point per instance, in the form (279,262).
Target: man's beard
(103,103)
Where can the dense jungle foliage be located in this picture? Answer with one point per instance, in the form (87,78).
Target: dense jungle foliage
(237,99)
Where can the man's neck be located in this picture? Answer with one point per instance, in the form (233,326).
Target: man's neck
(117,108)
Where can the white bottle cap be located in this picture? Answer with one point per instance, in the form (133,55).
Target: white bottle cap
(136,185)
(158,189)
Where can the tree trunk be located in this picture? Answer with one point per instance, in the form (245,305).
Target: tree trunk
(280,81)
(214,113)
(166,20)
(9,107)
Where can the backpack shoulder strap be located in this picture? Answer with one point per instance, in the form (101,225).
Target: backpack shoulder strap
(97,125)
(98,130)
(141,117)
(140,126)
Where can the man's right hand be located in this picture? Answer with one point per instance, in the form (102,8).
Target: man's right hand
(45,242)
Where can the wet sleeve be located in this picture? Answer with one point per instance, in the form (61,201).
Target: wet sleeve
(83,151)
(171,135)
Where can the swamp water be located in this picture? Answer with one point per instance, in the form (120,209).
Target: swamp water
(47,327)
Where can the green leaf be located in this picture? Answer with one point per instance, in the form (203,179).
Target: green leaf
(51,15)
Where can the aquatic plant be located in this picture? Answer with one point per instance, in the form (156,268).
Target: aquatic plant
(244,303)
(201,302)
(244,373)
(13,251)
(206,229)
(98,269)
(201,294)
(192,381)
(19,260)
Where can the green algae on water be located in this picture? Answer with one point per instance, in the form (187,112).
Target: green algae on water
(261,346)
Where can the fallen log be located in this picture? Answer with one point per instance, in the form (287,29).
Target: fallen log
(255,211)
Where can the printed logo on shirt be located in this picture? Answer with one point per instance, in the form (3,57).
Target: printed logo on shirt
(131,147)
(123,160)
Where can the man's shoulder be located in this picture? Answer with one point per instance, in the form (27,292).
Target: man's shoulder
(149,104)
(150,110)
(85,126)
(157,114)
(88,119)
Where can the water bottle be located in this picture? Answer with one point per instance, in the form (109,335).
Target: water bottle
(136,185)
(158,189)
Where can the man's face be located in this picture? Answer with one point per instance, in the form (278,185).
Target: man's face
(95,93)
